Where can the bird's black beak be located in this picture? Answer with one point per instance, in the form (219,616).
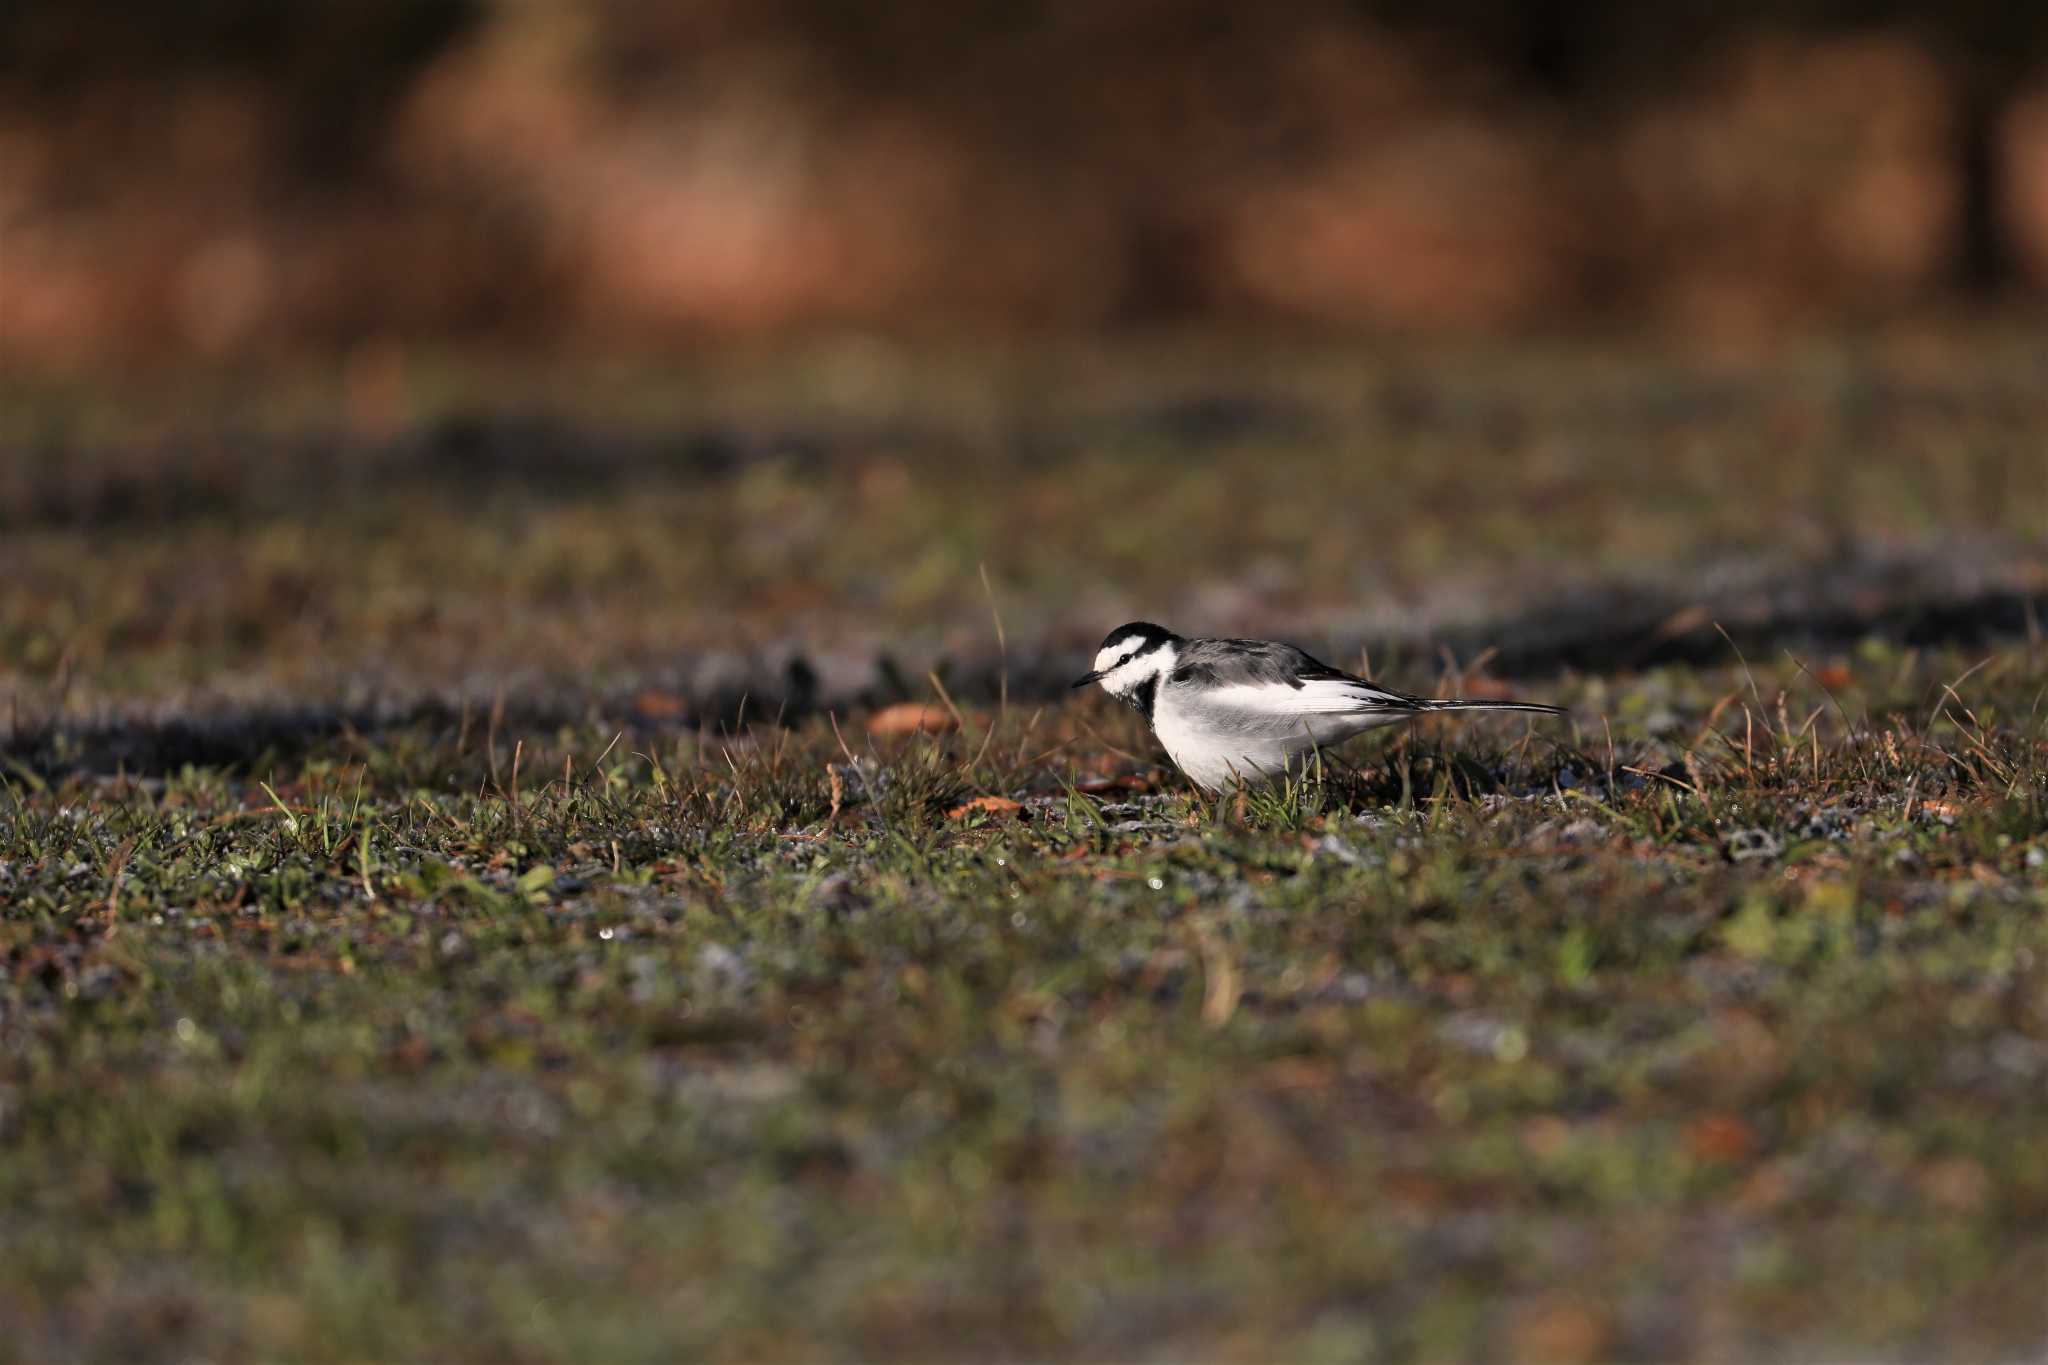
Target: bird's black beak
(1087,678)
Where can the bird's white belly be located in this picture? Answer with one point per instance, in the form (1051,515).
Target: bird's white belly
(1216,755)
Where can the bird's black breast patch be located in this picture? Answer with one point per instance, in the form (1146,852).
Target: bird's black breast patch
(1144,695)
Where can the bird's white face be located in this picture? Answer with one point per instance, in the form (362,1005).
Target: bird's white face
(1123,666)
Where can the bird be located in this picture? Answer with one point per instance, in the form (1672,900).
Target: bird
(1250,710)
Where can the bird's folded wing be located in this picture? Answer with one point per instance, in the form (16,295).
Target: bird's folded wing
(1277,707)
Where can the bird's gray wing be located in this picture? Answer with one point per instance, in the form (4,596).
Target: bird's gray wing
(1275,691)
(1270,664)
(1259,688)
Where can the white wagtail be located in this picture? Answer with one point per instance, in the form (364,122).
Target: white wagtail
(1247,710)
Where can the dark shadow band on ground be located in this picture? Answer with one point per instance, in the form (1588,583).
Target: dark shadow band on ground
(251,475)
(1609,635)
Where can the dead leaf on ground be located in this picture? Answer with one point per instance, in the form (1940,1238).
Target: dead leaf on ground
(660,705)
(991,805)
(1684,621)
(912,718)
(1719,1137)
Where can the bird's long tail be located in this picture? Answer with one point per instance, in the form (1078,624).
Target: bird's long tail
(1459,704)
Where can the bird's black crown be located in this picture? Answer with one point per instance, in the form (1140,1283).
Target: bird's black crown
(1142,633)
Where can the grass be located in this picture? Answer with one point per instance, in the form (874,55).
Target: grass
(1712,1023)
(295,558)
(1718,1031)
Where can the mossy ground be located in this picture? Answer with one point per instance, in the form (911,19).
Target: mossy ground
(1712,1023)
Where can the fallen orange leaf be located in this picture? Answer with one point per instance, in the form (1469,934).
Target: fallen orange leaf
(659,705)
(911,718)
(1684,621)
(1719,1137)
(993,805)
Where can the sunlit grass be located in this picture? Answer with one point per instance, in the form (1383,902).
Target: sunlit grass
(473,1044)
(417,948)
(618,525)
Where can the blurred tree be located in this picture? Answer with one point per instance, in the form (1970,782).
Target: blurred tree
(1443,162)
(1594,54)
(1996,47)
(335,68)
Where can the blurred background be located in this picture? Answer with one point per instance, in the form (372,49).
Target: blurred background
(438,436)
(228,178)
(750,348)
